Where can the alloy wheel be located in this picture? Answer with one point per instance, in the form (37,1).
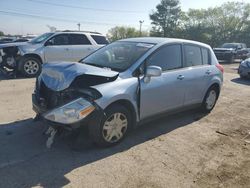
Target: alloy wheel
(31,67)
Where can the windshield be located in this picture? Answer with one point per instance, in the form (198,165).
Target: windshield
(118,56)
(229,45)
(41,38)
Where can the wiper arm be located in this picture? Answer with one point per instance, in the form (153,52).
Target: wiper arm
(100,66)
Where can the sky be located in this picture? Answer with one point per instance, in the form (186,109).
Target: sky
(33,16)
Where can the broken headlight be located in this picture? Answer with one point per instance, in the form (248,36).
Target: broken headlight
(71,112)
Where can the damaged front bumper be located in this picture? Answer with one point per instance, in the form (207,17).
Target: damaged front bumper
(92,114)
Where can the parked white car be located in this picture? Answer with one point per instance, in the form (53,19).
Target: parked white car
(28,57)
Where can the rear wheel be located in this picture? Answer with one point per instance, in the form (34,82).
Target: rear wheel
(113,128)
(210,99)
(30,67)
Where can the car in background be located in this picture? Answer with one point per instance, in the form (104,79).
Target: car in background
(244,69)
(127,83)
(25,38)
(229,52)
(27,57)
(6,40)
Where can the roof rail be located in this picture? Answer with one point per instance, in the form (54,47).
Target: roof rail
(79,31)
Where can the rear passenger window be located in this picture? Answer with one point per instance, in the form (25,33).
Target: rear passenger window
(205,56)
(100,39)
(193,55)
(168,57)
(79,39)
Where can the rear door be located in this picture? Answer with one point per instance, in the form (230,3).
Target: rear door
(197,62)
(166,92)
(56,48)
(80,46)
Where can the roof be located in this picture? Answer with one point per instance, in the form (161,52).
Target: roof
(160,40)
(73,31)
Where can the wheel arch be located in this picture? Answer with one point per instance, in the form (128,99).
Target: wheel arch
(217,86)
(30,55)
(128,105)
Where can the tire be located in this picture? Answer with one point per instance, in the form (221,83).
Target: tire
(210,99)
(30,67)
(108,133)
(243,77)
(231,60)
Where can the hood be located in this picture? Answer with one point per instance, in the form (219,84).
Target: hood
(224,49)
(25,47)
(58,76)
(13,44)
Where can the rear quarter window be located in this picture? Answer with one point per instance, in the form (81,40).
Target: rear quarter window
(100,39)
(205,56)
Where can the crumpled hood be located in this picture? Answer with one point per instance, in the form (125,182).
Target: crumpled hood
(59,75)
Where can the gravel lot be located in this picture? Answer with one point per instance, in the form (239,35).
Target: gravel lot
(184,150)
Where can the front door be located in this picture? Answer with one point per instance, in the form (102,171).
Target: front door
(58,49)
(166,92)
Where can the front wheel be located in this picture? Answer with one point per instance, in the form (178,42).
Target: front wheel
(113,128)
(30,67)
(210,99)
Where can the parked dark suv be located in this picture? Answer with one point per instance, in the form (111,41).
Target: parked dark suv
(230,51)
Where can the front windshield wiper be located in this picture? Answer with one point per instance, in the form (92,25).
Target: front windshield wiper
(95,65)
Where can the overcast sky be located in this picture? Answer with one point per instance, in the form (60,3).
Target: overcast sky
(33,16)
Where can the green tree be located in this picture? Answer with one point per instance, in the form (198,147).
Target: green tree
(165,19)
(1,33)
(121,32)
(227,23)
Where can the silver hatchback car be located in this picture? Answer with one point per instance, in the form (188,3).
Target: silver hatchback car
(126,83)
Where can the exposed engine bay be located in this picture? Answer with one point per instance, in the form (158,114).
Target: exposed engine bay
(9,58)
(63,82)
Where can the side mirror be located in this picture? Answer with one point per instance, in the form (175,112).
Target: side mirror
(49,43)
(152,71)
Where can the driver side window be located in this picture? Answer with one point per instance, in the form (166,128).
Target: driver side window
(59,40)
(168,57)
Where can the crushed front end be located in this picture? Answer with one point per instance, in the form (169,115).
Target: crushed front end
(63,95)
(68,109)
(9,58)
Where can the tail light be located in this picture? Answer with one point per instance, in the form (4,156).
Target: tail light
(220,67)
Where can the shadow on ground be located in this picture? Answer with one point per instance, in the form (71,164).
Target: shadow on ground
(25,161)
(241,81)
(9,75)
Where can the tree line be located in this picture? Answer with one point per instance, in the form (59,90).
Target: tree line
(229,22)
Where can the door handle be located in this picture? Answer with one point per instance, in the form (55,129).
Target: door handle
(180,77)
(208,72)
